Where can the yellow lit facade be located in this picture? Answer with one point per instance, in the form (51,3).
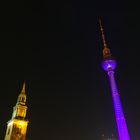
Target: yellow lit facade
(17,126)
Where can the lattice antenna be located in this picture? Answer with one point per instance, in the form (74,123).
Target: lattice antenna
(102,32)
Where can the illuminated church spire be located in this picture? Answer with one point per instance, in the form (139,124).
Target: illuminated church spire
(22,96)
(17,126)
(109,65)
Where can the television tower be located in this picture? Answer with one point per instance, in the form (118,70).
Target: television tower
(109,64)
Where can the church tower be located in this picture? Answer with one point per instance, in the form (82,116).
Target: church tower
(17,126)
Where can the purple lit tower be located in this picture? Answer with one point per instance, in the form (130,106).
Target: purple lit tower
(109,65)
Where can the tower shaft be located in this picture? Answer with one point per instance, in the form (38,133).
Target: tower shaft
(120,119)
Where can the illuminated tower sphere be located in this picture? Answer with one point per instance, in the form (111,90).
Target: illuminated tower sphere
(109,65)
(17,126)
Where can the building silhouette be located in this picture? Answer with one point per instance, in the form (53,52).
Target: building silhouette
(108,138)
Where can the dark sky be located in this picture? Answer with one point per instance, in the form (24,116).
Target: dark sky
(56,47)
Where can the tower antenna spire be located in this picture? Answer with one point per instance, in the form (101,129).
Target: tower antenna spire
(23,88)
(106,50)
(102,32)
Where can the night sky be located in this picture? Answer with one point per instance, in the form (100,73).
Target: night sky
(56,47)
